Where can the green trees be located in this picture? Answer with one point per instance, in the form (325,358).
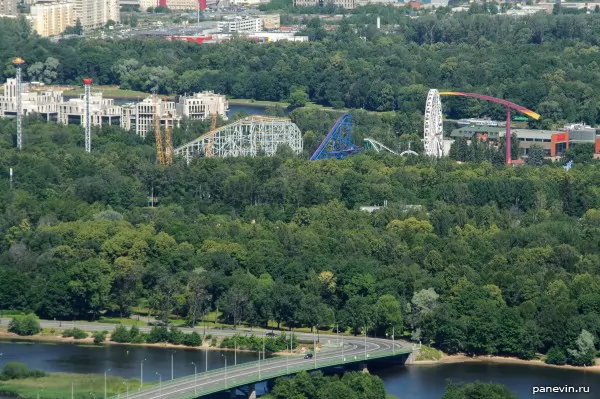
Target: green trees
(584,352)
(25,325)
(352,385)
(477,390)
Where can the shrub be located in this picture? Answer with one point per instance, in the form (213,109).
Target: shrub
(556,356)
(25,325)
(99,336)
(120,334)
(176,336)
(193,339)
(15,370)
(75,333)
(138,339)
(213,342)
(134,332)
(158,334)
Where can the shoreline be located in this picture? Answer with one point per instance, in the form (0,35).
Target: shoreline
(456,359)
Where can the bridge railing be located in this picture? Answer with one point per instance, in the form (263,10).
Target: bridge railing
(218,380)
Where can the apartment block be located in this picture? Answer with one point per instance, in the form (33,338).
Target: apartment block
(203,105)
(96,13)
(49,19)
(140,117)
(8,7)
(103,111)
(182,4)
(349,4)
(44,103)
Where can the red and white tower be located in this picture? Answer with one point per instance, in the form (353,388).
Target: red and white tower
(18,63)
(87,119)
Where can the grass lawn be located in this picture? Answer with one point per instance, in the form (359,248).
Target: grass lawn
(58,386)
(428,353)
(246,101)
(111,92)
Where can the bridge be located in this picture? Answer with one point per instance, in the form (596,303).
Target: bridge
(353,350)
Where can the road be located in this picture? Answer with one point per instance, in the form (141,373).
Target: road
(354,349)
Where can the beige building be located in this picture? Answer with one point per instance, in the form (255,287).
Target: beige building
(8,7)
(44,103)
(271,21)
(96,13)
(349,4)
(139,117)
(203,105)
(103,111)
(49,19)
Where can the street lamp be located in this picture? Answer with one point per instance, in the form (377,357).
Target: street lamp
(105,375)
(224,357)
(159,382)
(126,387)
(235,350)
(315,347)
(365,342)
(142,373)
(195,375)
(172,353)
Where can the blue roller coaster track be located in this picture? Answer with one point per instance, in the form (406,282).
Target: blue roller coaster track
(338,142)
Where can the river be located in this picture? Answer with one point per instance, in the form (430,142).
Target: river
(412,382)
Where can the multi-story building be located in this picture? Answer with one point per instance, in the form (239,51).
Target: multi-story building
(239,24)
(49,19)
(271,21)
(182,4)
(8,7)
(140,117)
(349,4)
(44,103)
(103,111)
(96,13)
(203,105)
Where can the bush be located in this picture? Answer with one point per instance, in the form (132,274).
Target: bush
(139,339)
(556,356)
(15,370)
(25,325)
(75,333)
(193,339)
(99,336)
(176,336)
(158,334)
(134,332)
(120,334)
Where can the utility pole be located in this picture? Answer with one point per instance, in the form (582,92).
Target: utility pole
(18,63)
(172,353)
(142,373)
(105,374)
(195,378)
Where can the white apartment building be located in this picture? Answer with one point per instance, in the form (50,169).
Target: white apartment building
(96,13)
(103,111)
(44,103)
(203,105)
(49,19)
(8,7)
(349,4)
(239,24)
(182,4)
(140,117)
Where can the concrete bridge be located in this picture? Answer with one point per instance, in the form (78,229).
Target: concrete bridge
(355,350)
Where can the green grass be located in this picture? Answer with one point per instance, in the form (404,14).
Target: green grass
(249,101)
(58,386)
(111,92)
(428,353)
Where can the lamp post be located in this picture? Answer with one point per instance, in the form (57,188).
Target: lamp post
(105,377)
(206,361)
(365,342)
(287,366)
(195,375)
(224,357)
(142,373)
(258,363)
(172,353)
(126,388)
(314,347)
(235,351)
(159,382)
(343,360)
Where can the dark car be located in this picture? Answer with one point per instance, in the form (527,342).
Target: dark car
(271,334)
(308,356)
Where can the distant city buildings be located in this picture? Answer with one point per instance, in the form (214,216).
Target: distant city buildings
(96,13)
(8,7)
(137,117)
(49,19)
(240,24)
(271,21)
(349,4)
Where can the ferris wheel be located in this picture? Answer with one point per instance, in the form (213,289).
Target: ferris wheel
(433,129)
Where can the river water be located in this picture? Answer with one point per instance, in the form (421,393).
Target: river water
(412,382)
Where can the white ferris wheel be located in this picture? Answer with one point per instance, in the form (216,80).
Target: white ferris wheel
(433,131)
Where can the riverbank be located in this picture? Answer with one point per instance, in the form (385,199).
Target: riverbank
(457,359)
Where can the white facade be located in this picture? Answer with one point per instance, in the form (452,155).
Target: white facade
(44,103)
(240,25)
(140,117)
(103,111)
(96,13)
(182,4)
(49,19)
(8,7)
(349,4)
(203,105)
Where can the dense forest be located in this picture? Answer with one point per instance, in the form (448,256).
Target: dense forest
(548,63)
(470,257)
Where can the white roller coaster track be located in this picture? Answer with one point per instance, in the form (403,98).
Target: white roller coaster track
(433,129)
(377,146)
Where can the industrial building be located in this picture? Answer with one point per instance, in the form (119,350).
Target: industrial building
(8,7)
(49,19)
(554,142)
(103,111)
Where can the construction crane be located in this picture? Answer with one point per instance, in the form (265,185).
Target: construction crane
(168,140)
(157,134)
(208,151)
